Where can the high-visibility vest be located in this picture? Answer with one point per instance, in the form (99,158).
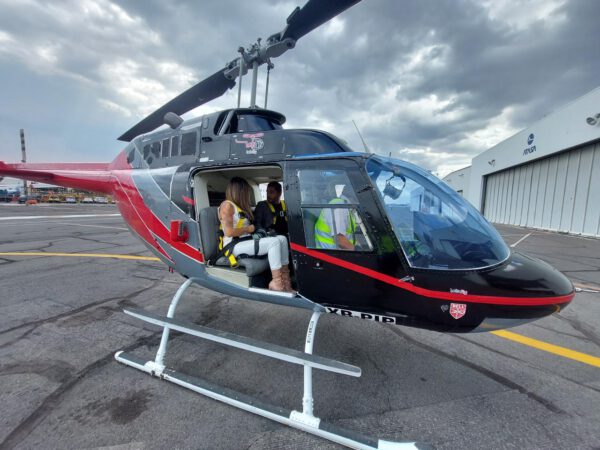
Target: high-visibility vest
(239,221)
(272,208)
(324,237)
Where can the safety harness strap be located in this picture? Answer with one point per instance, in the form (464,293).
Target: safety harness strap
(227,250)
(283,209)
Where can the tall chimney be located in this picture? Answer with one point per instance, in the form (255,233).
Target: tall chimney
(23,158)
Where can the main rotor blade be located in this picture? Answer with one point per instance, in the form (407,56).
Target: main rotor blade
(208,89)
(312,15)
(302,21)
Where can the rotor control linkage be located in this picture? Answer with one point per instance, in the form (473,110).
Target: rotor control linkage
(304,420)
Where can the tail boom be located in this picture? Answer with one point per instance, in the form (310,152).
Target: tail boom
(95,177)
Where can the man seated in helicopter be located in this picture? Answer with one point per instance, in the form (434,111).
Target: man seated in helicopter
(271,214)
(335,228)
(235,215)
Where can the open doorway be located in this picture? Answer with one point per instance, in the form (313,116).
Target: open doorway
(209,193)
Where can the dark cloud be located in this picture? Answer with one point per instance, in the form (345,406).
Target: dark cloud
(434,82)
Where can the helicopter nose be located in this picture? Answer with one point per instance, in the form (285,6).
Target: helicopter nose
(535,277)
(537,290)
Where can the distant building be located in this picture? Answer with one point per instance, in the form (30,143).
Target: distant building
(546,176)
(459,181)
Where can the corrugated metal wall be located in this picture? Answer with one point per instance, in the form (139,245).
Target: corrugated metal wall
(559,193)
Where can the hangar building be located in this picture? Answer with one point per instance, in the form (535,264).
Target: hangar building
(546,176)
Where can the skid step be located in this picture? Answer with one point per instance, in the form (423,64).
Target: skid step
(246,343)
(272,293)
(282,415)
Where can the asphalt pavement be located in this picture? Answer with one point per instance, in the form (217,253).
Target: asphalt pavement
(61,323)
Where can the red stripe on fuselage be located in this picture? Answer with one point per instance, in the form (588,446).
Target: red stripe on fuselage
(140,217)
(438,295)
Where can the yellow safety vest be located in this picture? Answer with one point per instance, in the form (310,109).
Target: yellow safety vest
(272,208)
(239,221)
(324,237)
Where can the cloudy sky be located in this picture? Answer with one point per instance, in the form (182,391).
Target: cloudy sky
(433,82)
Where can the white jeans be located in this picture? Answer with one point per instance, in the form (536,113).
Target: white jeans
(275,247)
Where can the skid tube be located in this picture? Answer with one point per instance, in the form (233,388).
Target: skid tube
(304,420)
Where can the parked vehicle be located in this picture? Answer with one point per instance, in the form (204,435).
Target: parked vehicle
(87,200)
(70,200)
(100,200)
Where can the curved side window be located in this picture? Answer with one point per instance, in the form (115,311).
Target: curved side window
(330,212)
(436,227)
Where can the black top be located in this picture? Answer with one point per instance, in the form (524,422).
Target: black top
(263,218)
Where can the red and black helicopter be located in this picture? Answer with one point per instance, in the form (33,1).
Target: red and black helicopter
(424,257)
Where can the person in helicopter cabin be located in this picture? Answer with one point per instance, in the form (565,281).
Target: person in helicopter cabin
(335,227)
(271,214)
(235,215)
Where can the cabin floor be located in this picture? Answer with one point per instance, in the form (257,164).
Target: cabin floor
(61,322)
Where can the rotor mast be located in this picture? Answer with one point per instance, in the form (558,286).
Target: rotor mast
(254,57)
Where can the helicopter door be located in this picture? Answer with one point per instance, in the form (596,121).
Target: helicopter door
(327,227)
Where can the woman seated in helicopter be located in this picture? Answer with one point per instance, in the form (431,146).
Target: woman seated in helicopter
(236,218)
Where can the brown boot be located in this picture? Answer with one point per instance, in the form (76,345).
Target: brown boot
(276,283)
(287,282)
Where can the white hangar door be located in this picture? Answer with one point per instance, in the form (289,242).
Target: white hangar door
(559,193)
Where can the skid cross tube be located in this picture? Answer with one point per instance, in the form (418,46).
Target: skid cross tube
(305,420)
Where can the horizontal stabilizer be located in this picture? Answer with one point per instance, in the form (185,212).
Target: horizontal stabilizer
(87,176)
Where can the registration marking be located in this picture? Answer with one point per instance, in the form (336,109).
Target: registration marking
(361,315)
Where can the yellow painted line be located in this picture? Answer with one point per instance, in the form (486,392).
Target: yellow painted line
(82,255)
(550,348)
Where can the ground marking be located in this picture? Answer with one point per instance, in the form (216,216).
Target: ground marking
(82,255)
(550,348)
(93,226)
(57,217)
(521,240)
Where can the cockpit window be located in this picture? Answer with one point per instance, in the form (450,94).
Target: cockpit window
(436,227)
(251,122)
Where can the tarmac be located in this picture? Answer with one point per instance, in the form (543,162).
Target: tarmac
(536,387)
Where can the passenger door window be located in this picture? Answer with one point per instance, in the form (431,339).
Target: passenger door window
(330,212)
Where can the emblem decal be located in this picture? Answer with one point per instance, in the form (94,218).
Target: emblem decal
(253,144)
(457,310)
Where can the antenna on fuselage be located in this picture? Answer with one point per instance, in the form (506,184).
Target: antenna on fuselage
(361,138)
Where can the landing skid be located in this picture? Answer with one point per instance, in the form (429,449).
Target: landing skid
(305,420)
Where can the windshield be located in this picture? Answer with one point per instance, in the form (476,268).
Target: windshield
(437,228)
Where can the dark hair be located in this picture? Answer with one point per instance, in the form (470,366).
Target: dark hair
(239,192)
(275,185)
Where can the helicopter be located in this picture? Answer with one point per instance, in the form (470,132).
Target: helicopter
(423,256)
